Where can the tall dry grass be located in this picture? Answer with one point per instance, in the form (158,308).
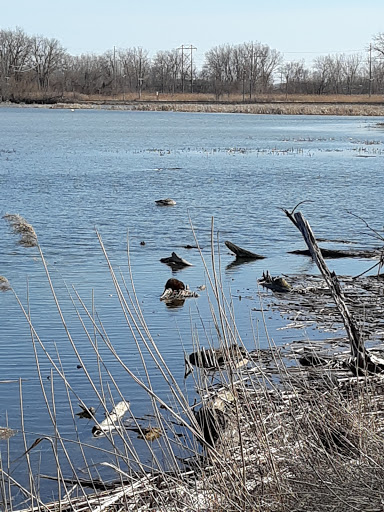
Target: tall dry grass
(270,436)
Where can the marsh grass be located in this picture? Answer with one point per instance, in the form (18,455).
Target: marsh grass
(271,436)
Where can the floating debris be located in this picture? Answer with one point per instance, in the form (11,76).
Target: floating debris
(28,237)
(176,262)
(276,284)
(150,433)
(241,253)
(340,253)
(215,358)
(312,359)
(86,412)
(165,202)
(174,295)
(111,422)
(4,284)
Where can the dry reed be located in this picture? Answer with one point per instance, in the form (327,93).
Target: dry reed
(270,436)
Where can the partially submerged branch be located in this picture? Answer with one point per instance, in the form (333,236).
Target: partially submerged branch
(361,358)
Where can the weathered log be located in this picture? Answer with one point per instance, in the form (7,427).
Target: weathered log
(111,421)
(165,202)
(215,358)
(170,294)
(276,284)
(175,261)
(340,253)
(362,359)
(243,253)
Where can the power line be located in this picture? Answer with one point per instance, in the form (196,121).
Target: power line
(186,63)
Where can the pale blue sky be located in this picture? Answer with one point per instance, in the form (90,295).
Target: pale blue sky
(298,29)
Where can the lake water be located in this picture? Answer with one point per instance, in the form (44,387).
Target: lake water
(69,172)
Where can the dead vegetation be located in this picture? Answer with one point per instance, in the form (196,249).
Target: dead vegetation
(21,227)
(271,435)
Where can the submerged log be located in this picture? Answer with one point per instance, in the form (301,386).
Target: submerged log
(243,253)
(361,358)
(176,262)
(165,202)
(339,253)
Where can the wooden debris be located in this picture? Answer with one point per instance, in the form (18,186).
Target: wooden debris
(243,253)
(112,420)
(150,433)
(215,358)
(176,262)
(165,202)
(339,253)
(312,359)
(86,412)
(173,295)
(276,284)
(361,359)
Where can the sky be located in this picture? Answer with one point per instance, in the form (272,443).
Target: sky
(298,29)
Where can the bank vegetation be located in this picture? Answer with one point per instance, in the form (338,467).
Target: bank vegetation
(298,427)
(37,69)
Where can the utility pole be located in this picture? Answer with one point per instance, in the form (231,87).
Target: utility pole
(251,75)
(140,78)
(186,64)
(243,85)
(114,70)
(370,69)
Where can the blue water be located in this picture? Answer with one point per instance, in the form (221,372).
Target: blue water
(71,172)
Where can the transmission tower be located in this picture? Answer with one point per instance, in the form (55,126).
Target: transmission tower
(186,64)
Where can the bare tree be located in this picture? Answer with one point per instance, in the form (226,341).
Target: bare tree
(15,47)
(46,57)
(164,71)
(378,43)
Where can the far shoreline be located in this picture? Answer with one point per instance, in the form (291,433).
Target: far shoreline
(274,108)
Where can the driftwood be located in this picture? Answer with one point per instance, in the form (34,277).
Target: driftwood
(165,202)
(361,358)
(215,358)
(176,262)
(112,420)
(276,284)
(339,253)
(86,412)
(243,253)
(170,294)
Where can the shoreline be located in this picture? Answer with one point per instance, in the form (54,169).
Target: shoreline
(274,108)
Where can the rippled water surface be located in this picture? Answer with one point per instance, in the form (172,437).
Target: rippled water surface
(69,172)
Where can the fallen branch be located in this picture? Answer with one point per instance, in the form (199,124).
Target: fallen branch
(243,253)
(361,358)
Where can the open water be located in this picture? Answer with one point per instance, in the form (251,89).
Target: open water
(71,172)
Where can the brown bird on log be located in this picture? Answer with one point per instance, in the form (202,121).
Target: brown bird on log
(174,284)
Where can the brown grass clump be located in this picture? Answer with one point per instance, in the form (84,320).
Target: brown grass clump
(20,226)
(4,284)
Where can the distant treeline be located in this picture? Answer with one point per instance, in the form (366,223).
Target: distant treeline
(38,67)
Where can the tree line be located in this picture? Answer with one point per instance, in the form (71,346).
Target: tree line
(36,66)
